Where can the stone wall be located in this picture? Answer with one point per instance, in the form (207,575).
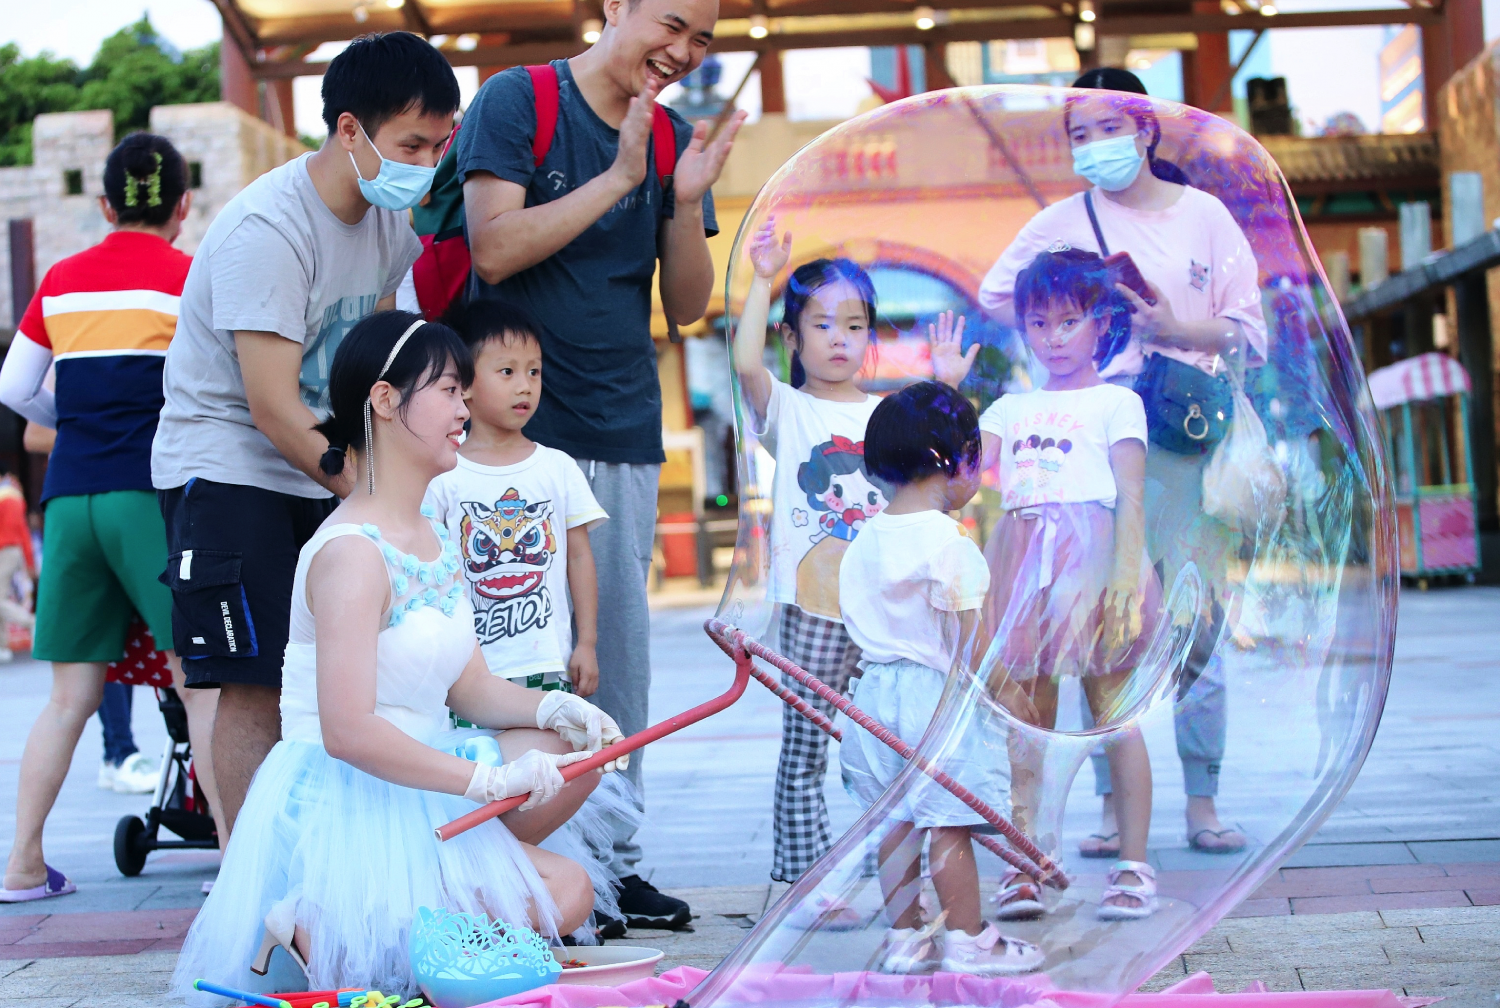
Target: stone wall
(229,147)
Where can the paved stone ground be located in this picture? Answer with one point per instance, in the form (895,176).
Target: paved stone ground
(1397,890)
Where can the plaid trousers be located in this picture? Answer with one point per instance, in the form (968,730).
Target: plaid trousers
(800,820)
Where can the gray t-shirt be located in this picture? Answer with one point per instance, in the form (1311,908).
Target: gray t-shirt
(277,260)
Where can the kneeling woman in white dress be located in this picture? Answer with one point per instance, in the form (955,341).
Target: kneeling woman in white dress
(334,849)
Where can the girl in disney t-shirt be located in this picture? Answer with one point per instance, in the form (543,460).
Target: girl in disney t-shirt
(1072,593)
(822,494)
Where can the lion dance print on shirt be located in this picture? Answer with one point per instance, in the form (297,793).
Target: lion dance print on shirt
(507,548)
(844,495)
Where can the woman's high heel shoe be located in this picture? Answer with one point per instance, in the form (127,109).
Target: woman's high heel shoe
(281,929)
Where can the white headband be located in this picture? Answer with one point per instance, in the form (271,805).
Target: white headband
(369,409)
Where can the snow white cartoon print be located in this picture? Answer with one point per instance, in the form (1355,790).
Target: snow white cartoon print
(844,495)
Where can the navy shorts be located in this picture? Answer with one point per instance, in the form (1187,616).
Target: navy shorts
(231,557)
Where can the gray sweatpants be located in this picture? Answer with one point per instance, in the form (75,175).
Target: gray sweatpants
(622,555)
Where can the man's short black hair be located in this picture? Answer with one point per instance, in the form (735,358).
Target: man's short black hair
(380,76)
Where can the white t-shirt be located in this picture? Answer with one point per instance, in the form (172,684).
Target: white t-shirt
(1193,252)
(903,583)
(511,525)
(821,495)
(1054,446)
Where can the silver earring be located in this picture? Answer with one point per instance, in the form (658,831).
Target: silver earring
(369,450)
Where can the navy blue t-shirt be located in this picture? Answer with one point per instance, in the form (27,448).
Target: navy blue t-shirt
(601,398)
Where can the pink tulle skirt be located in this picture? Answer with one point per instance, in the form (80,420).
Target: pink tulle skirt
(1051,569)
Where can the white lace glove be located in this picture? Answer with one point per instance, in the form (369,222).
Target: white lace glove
(581,724)
(535,772)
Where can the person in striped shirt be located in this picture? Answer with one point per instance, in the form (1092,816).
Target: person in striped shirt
(102,319)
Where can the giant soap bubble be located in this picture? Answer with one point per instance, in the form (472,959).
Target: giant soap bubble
(1226,616)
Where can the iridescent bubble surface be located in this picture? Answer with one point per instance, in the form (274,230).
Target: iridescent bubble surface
(1255,664)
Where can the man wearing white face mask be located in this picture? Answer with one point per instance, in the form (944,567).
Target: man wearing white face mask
(1201,308)
(284,272)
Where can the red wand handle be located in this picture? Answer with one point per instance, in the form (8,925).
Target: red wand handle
(742,667)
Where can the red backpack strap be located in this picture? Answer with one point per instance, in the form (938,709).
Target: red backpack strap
(544,87)
(664,139)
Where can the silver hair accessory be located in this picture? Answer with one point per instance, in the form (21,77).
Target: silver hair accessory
(369,409)
(1059,246)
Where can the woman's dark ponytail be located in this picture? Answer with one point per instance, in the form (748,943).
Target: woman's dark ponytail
(332,461)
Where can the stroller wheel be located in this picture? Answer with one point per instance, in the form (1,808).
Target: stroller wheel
(131,845)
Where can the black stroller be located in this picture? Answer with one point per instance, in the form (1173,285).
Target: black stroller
(177,803)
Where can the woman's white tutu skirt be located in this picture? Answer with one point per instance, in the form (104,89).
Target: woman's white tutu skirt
(903,696)
(358,856)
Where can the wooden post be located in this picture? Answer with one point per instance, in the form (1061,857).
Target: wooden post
(1447,47)
(236,86)
(772,84)
(1475,350)
(279,105)
(935,66)
(22,268)
(1205,71)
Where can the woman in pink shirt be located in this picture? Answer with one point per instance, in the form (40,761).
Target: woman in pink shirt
(1204,283)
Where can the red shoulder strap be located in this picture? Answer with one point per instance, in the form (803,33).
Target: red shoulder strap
(544,86)
(664,140)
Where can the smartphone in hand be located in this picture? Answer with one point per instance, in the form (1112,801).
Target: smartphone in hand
(1123,270)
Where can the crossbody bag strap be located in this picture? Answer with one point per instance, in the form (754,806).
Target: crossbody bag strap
(1088,204)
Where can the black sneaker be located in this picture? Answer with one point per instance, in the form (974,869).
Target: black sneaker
(645,906)
(607,927)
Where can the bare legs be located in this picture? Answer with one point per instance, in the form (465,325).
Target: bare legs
(567,881)
(246,727)
(77,688)
(202,707)
(955,876)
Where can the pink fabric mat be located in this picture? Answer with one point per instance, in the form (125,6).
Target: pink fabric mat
(784,985)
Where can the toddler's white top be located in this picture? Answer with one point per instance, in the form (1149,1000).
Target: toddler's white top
(421,651)
(1055,445)
(903,583)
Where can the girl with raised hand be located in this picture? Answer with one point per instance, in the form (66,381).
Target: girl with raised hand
(334,849)
(822,496)
(1074,594)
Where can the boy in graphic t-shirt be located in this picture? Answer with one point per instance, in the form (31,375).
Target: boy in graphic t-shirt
(521,514)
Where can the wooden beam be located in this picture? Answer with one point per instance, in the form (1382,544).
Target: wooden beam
(964,31)
(416,18)
(238,29)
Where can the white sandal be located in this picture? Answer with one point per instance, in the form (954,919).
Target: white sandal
(910,950)
(281,929)
(1017,900)
(1144,893)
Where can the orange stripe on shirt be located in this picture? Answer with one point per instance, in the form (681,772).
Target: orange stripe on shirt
(124,329)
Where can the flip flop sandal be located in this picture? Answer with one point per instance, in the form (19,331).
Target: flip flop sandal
(1230,848)
(1017,900)
(1144,893)
(57,884)
(1101,851)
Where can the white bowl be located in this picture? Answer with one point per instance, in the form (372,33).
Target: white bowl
(608,965)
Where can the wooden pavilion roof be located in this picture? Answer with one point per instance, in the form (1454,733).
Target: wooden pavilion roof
(276,35)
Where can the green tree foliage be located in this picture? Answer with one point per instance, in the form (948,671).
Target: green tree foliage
(134,69)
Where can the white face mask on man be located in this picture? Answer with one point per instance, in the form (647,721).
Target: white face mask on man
(396,186)
(1109,164)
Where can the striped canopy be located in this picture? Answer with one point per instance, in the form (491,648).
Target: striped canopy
(1429,376)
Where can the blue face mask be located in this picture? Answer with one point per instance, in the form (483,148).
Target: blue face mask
(396,186)
(1110,164)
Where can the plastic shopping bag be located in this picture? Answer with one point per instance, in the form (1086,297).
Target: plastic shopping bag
(1243,486)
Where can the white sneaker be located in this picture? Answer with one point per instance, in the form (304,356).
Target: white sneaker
(6,654)
(137,775)
(989,953)
(107,772)
(909,950)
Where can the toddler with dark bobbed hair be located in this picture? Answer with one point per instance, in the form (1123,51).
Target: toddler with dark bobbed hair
(911,588)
